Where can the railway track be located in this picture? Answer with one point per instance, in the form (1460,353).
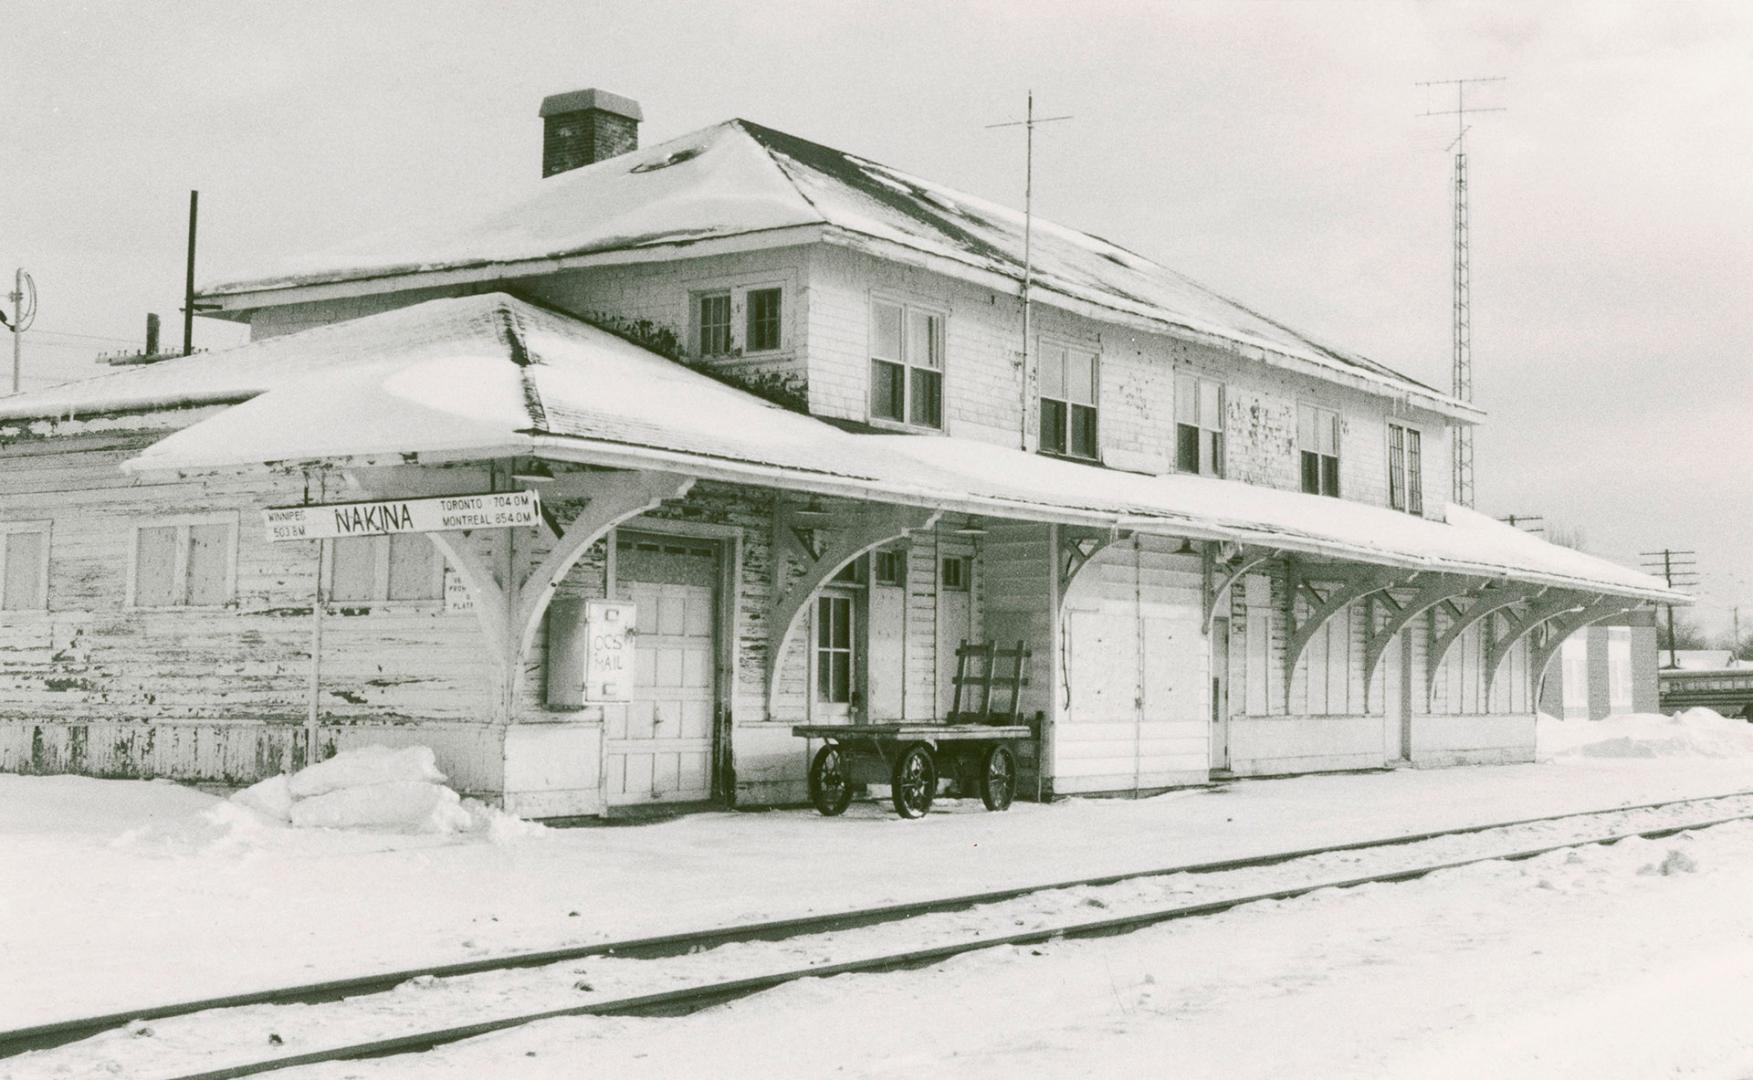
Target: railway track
(697,994)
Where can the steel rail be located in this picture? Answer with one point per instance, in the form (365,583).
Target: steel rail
(59,1033)
(692,999)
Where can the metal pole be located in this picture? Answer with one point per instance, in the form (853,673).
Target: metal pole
(17,329)
(1668,575)
(189,280)
(1028,259)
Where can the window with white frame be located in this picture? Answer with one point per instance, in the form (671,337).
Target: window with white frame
(712,324)
(186,563)
(763,320)
(1405,469)
(1573,662)
(733,319)
(1318,440)
(889,566)
(24,566)
(906,364)
(374,569)
(1198,425)
(1068,401)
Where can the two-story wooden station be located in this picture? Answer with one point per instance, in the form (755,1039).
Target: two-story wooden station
(798,408)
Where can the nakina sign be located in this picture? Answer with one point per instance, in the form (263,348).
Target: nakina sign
(380,517)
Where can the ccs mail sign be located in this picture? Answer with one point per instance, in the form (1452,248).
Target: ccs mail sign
(380,517)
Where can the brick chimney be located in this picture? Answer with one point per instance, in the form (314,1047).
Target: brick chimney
(586,126)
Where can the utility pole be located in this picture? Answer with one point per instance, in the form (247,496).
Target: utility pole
(24,312)
(1028,125)
(1462,337)
(1680,570)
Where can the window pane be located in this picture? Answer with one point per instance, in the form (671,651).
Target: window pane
(927,398)
(1083,431)
(22,587)
(1311,472)
(824,621)
(715,325)
(885,335)
(1414,472)
(353,572)
(824,676)
(1187,448)
(414,571)
(1396,467)
(886,390)
(1052,372)
(842,620)
(1186,400)
(1214,453)
(1329,433)
(1306,422)
(208,564)
(842,681)
(1211,405)
(924,339)
(1080,378)
(1052,426)
(763,328)
(155,559)
(1329,475)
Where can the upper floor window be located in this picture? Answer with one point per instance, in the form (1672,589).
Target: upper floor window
(956,573)
(1198,425)
(401,566)
(889,566)
(24,566)
(1068,401)
(715,328)
(712,323)
(906,364)
(189,563)
(763,328)
(1405,469)
(1318,438)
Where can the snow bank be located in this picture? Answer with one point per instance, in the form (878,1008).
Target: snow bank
(366,765)
(371,787)
(1693,733)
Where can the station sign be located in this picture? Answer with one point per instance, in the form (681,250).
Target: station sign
(382,517)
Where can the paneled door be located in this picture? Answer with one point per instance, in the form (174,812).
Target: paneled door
(662,751)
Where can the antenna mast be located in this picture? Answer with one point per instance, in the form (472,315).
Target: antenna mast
(1028,126)
(1461,439)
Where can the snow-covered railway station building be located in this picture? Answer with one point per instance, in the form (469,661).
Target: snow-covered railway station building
(793,407)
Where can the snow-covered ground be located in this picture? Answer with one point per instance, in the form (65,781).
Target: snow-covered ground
(1626,961)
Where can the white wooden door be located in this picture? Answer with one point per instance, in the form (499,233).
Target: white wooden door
(662,751)
(886,677)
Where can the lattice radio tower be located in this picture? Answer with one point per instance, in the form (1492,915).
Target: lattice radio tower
(1462,439)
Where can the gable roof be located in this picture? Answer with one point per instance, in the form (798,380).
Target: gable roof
(491,376)
(740,181)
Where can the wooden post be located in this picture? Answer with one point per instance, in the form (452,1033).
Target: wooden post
(312,739)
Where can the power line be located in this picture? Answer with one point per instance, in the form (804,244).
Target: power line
(87,337)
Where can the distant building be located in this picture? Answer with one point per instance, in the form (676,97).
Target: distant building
(1608,669)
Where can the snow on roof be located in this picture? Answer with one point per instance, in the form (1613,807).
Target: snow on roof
(739,178)
(492,376)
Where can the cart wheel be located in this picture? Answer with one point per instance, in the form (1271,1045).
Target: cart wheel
(915,781)
(998,779)
(830,787)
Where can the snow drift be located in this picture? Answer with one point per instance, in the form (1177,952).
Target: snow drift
(1693,733)
(375,787)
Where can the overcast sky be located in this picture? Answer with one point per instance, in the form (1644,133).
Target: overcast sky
(1269,150)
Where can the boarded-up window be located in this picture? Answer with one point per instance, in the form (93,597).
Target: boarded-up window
(23,559)
(155,566)
(353,569)
(209,564)
(415,571)
(183,565)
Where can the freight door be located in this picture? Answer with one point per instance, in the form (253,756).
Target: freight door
(662,751)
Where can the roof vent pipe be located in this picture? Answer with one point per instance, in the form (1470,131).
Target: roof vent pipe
(586,126)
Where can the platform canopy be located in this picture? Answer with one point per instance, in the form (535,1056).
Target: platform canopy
(491,376)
